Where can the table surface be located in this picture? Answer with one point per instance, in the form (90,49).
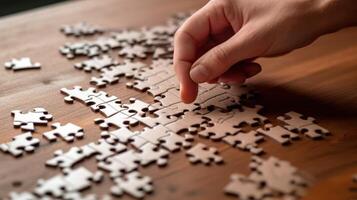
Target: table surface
(319,80)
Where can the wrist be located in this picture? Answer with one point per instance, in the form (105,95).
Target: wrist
(336,14)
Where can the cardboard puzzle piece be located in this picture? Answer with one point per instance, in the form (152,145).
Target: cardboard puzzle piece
(302,124)
(278,133)
(104,149)
(20,144)
(112,74)
(149,135)
(128,36)
(249,115)
(79,196)
(71,181)
(22,196)
(133,184)
(204,154)
(245,141)
(186,122)
(96,63)
(121,163)
(218,125)
(67,132)
(79,94)
(73,156)
(117,120)
(80,178)
(135,51)
(80,29)
(150,153)
(245,188)
(122,135)
(28,120)
(278,175)
(173,142)
(22,64)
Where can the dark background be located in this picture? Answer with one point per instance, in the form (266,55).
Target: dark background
(13,6)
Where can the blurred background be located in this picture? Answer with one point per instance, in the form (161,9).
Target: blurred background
(8,7)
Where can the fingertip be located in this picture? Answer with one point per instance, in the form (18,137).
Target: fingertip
(188,93)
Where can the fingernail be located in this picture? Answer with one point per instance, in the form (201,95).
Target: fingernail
(199,74)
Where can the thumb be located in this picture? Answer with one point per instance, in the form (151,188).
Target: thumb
(216,61)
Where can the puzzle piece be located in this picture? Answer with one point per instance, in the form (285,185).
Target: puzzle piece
(150,153)
(22,196)
(118,120)
(187,121)
(121,163)
(72,181)
(21,64)
(80,179)
(79,94)
(173,142)
(104,149)
(80,29)
(67,132)
(135,51)
(306,125)
(19,144)
(111,74)
(278,175)
(204,154)
(71,157)
(122,135)
(96,63)
(245,188)
(27,121)
(245,141)
(149,135)
(128,36)
(133,184)
(278,133)
(78,196)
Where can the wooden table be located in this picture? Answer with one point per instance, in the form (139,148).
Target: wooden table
(319,80)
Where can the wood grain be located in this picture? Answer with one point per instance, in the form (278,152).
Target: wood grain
(319,80)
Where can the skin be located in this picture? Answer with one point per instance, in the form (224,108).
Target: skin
(220,41)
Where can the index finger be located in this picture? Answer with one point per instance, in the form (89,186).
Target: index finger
(192,34)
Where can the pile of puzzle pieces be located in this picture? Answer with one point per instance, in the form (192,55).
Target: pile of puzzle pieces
(145,63)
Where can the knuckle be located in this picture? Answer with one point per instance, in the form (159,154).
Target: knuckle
(220,56)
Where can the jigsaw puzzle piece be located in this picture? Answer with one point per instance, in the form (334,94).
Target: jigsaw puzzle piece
(133,184)
(104,149)
(278,133)
(67,132)
(121,163)
(245,141)
(173,142)
(71,157)
(28,120)
(150,153)
(204,154)
(21,64)
(79,94)
(118,120)
(20,143)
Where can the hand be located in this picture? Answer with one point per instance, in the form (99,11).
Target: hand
(221,40)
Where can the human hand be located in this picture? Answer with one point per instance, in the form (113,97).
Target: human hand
(221,40)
